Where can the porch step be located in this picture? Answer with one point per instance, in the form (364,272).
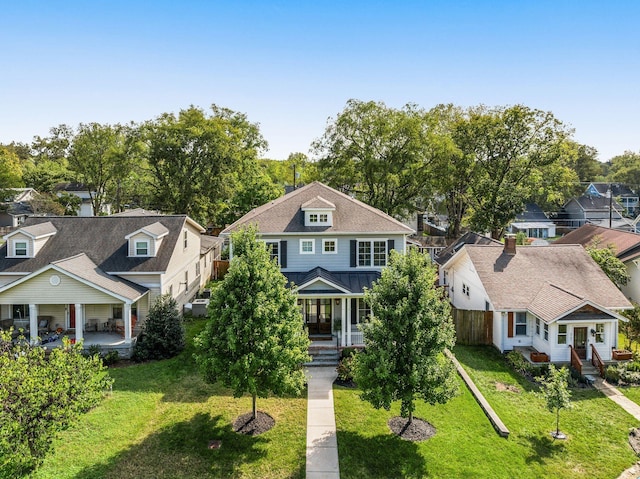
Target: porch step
(323,356)
(588,369)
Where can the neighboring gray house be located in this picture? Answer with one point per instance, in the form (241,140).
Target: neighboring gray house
(330,246)
(591,209)
(17,208)
(622,193)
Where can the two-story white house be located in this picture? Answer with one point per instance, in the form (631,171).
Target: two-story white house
(98,275)
(552,299)
(330,247)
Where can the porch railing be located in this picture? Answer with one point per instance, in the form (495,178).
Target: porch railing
(596,360)
(357,338)
(576,362)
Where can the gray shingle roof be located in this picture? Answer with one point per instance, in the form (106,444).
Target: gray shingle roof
(284,215)
(40,229)
(514,282)
(467,238)
(82,267)
(101,238)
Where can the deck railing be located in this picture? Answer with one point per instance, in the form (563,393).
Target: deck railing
(576,362)
(596,360)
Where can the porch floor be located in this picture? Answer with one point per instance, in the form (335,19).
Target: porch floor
(100,339)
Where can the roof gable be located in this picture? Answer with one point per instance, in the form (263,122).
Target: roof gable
(285,214)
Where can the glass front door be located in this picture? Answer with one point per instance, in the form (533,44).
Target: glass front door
(317,313)
(580,342)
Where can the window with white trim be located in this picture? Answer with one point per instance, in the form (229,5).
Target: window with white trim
(20,248)
(185,236)
(142,248)
(546,331)
(198,268)
(562,334)
(323,217)
(273,247)
(600,333)
(364,312)
(307,246)
(329,246)
(372,253)
(521,324)
(465,289)
(537,326)
(313,217)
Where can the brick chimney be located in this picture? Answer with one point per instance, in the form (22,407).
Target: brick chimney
(510,244)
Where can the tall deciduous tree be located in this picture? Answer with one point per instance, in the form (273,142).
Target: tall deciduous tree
(606,258)
(405,341)
(625,169)
(193,156)
(513,148)
(556,394)
(101,155)
(41,396)
(380,154)
(10,172)
(254,341)
(586,165)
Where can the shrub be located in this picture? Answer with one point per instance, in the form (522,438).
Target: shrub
(163,334)
(345,367)
(612,374)
(112,357)
(348,352)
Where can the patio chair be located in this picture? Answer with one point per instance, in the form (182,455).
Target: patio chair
(43,326)
(120,327)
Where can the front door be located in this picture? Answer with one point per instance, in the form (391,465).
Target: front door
(580,342)
(72,316)
(318,315)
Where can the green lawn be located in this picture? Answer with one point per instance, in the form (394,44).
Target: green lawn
(466,444)
(159,420)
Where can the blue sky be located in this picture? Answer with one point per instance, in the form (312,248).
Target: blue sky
(290,65)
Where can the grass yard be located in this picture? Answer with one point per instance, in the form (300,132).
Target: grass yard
(466,445)
(159,420)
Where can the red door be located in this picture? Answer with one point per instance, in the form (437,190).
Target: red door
(72,316)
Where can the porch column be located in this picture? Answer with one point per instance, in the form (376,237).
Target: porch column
(79,323)
(343,312)
(33,323)
(349,322)
(126,312)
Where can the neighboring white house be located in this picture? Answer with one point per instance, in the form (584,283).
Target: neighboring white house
(534,223)
(330,246)
(85,195)
(98,274)
(549,298)
(625,244)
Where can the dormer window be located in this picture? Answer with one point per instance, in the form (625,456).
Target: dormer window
(142,248)
(318,212)
(20,248)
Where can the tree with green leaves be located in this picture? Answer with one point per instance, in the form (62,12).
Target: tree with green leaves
(379,154)
(631,327)
(193,156)
(556,393)
(586,163)
(41,396)
(606,258)
(405,342)
(254,341)
(513,149)
(163,333)
(100,156)
(625,169)
(10,173)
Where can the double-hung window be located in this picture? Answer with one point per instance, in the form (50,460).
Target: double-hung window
(537,326)
(329,246)
(600,333)
(273,247)
(372,253)
(142,248)
(20,248)
(546,332)
(307,246)
(562,334)
(521,324)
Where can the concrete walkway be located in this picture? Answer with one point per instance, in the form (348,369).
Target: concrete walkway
(617,397)
(322,445)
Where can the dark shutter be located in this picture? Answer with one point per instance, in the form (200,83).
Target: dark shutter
(390,245)
(283,254)
(354,246)
(510,324)
(354,310)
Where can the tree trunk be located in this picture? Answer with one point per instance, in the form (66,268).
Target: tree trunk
(410,418)
(558,422)
(254,409)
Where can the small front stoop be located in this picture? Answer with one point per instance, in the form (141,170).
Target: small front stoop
(323,355)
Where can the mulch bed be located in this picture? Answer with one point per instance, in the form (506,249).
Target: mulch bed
(252,427)
(418,430)
(347,384)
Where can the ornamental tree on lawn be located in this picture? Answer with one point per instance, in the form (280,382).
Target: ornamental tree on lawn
(556,394)
(405,341)
(254,341)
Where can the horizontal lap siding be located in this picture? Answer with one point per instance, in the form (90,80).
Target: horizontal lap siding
(38,290)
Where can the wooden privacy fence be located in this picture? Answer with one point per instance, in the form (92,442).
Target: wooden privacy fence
(473,327)
(220,268)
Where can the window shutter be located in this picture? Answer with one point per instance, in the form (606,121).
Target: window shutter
(510,324)
(390,245)
(353,253)
(283,254)
(354,310)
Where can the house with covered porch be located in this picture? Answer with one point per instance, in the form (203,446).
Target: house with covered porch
(94,278)
(330,247)
(553,299)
